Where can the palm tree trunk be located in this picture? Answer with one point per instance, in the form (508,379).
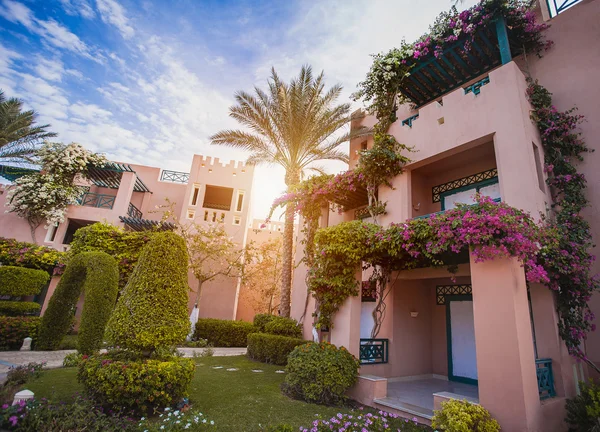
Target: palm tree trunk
(286,273)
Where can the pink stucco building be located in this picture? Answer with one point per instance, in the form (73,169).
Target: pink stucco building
(128,195)
(488,336)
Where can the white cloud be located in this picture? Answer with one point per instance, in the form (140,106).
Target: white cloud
(113,13)
(17,13)
(78,7)
(51,70)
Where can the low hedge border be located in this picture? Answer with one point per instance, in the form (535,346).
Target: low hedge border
(21,281)
(274,349)
(18,308)
(14,329)
(223,333)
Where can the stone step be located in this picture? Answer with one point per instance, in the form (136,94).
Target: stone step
(406,410)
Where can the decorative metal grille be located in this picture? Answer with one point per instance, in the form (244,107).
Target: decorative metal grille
(373,351)
(409,121)
(134,212)
(175,176)
(555,7)
(362,213)
(217,206)
(369,291)
(441,291)
(545,378)
(476,87)
(90,199)
(436,191)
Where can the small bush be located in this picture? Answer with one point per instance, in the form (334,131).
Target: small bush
(583,411)
(261,321)
(152,311)
(96,274)
(21,281)
(139,385)
(284,327)
(45,416)
(14,329)
(18,375)
(462,416)
(18,308)
(268,348)
(72,360)
(30,255)
(320,373)
(176,421)
(224,333)
(380,422)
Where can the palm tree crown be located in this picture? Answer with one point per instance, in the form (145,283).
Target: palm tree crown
(19,136)
(293,125)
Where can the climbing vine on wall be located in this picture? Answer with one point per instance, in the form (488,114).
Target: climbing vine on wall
(568,260)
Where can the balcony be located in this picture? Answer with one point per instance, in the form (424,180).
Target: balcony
(90,199)
(174,176)
(373,351)
(134,212)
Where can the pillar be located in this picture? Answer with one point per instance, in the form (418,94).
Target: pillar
(504,342)
(124,194)
(346,323)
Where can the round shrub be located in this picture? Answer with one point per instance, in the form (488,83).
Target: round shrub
(268,348)
(140,385)
(224,333)
(14,329)
(261,321)
(152,311)
(320,373)
(462,416)
(18,308)
(96,274)
(583,411)
(72,360)
(21,281)
(284,327)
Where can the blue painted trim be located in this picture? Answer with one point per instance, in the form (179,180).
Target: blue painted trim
(409,121)
(503,43)
(451,376)
(475,88)
(477,186)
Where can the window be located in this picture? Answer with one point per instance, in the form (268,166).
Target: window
(240,201)
(194,196)
(237,220)
(538,167)
(206,215)
(214,216)
(217,197)
(191,214)
(51,234)
(466,194)
(363,145)
(222,217)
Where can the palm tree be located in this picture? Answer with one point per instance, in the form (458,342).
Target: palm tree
(293,125)
(19,136)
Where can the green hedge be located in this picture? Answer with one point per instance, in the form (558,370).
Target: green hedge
(96,274)
(14,329)
(18,308)
(30,255)
(320,373)
(21,281)
(261,321)
(224,333)
(284,327)
(152,312)
(268,348)
(138,385)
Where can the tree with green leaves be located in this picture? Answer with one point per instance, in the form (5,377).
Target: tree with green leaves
(19,135)
(293,125)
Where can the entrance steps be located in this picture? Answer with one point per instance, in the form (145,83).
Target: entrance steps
(403,409)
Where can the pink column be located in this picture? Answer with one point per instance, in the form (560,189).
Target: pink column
(505,356)
(346,324)
(123,196)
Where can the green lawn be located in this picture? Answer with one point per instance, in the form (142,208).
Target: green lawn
(239,400)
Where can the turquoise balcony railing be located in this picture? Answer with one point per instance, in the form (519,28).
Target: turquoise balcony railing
(90,199)
(555,7)
(545,378)
(373,351)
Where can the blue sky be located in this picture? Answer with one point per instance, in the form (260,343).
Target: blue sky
(149,81)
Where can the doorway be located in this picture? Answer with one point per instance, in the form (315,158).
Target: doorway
(460,330)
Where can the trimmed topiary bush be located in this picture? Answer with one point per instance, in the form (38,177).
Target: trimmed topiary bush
(21,281)
(14,329)
(320,373)
(96,275)
(138,385)
(284,327)
(268,348)
(462,416)
(261,321)
(224,333)
(18,308)
(152,312)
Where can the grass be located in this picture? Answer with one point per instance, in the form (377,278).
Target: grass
(241,400)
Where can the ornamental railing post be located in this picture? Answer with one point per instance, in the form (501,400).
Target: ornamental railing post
(503,43)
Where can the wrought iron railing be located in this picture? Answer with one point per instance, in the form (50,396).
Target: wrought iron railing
(545,378)
(90,199)
(428,215)
(174,176)
(373,351)
(134,212)
(217,206)
(556,7)
(362,213)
